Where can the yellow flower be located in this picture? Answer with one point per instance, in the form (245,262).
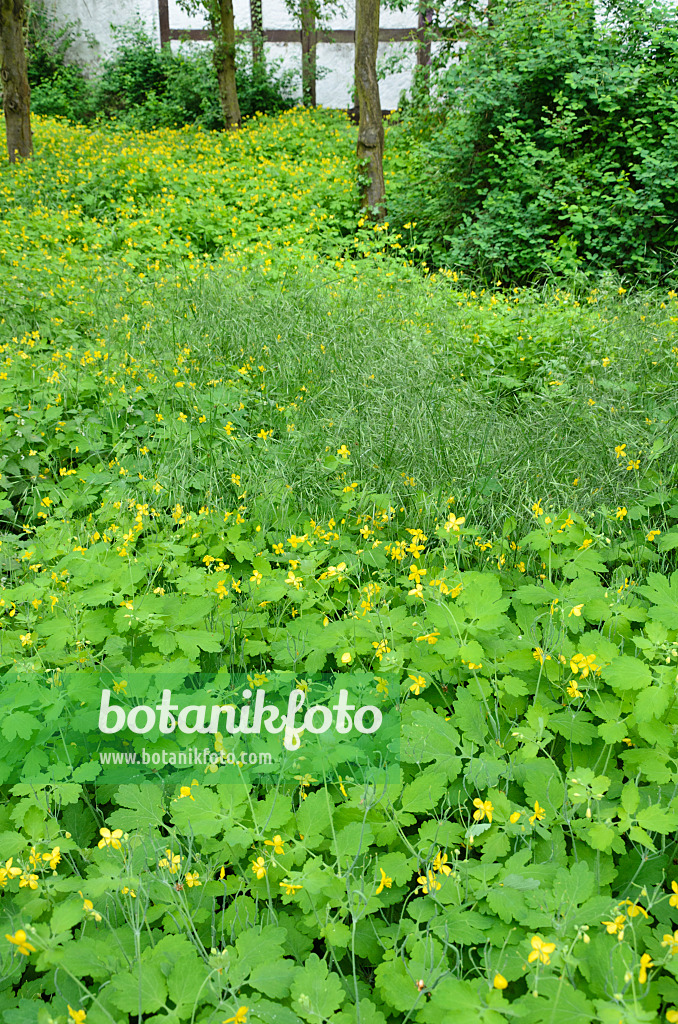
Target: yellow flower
(52,858)
(78,1016)
(172,861)
(346,658)
(485,810)
(192,878)
(584,664)
(671,941)
(574,691)
(440,864)
(539,813)
(240,1016)
(418,684)
(621,512)
(88,907)
(290,888)
(575,610)
(385,882)
(8,872)
(515,817)
(25,639)
(277,843)
(343,452)
(541,951)
(673,900)
(28,881)
(633,464)
(538,655)
(672,1016)
(617,926)
(652,534)
(429,883)
(499,982)
(537,509)
(645,962)
(380,648)
(634,909)
(294,581)
(109,838)
(259,868)
(19,940)
(453,523)
(619,451)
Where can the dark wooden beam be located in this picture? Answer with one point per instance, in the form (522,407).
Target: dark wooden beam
(293,35)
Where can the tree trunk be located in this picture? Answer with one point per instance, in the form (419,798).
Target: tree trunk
(15,88)
(224,63)
(423,73)
(308,51)
(370,127)
(257,21)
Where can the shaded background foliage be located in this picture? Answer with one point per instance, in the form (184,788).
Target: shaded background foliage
(140,85)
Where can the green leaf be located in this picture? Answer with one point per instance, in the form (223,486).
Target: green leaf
(187,983)
(651,703)
(630,797)
(600,836)
(458,1001)
(273,978)
(316,993)
(142,805)
(395,986)
(626,673)
(658,819)
(65,916)
(664,594)
(141,989)
(423,793)
(19,724)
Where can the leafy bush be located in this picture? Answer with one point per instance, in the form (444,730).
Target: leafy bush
(147,88)
(559,145)
(58,85)
(139,84)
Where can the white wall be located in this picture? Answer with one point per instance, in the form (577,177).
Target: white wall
(335,60)
(96,18)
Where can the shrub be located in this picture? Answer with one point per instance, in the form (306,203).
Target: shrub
(147,88)
(558,145)
(141,85)
(58,86)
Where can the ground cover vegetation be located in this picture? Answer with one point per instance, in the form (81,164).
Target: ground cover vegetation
(247,433)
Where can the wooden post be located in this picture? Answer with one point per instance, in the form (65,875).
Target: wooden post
(163,21)
(309,39)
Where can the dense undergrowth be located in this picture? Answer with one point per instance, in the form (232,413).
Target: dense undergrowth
(246,436)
